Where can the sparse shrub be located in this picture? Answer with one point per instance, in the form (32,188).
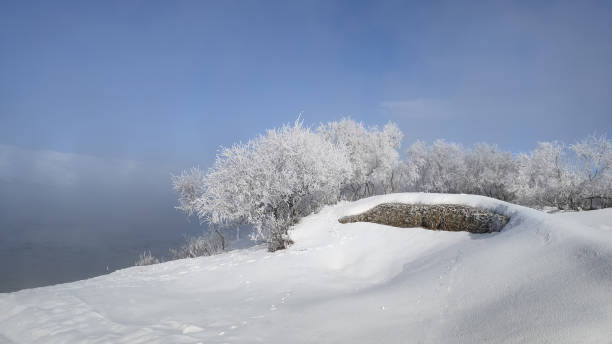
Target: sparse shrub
(146,258)
(205,245)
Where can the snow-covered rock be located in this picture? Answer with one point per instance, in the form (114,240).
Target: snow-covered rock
(543,278)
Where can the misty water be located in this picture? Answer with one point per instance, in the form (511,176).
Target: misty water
(49,237)
(66,217)
(38,255)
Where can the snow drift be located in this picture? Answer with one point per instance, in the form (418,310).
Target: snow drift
(543,278)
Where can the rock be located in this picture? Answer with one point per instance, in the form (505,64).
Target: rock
(446,217)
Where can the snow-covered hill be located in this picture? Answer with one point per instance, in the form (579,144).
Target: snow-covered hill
(544,278)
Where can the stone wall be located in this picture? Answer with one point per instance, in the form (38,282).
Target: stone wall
(446,217)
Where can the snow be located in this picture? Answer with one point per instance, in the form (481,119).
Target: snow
(544,278)
(600,219)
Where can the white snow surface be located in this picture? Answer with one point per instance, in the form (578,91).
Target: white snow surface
(545,278)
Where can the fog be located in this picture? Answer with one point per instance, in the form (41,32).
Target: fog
(65,217)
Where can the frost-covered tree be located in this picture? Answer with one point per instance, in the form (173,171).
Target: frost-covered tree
(490,172)
(269,182)
(372,153)
(388,141)
(437,168)
(594,155)
(547,176)
(546,179)
(190,185)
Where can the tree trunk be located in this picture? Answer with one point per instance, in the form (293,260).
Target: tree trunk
(221,237)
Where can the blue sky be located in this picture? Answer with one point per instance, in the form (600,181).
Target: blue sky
(173,80)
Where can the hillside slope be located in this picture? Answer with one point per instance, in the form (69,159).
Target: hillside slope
(544,278)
